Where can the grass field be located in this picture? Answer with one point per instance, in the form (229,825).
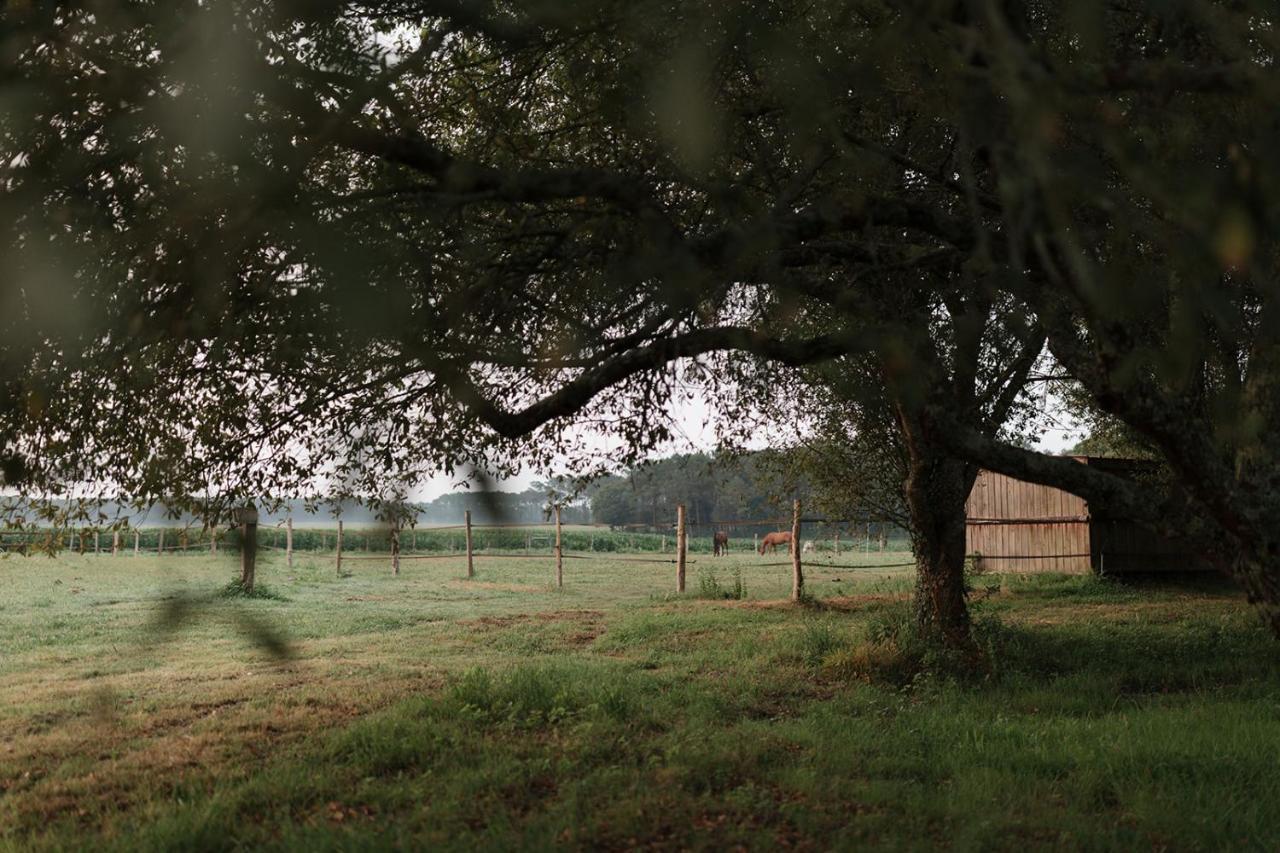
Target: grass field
(142,710)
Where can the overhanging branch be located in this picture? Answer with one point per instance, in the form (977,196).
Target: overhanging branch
(574,395)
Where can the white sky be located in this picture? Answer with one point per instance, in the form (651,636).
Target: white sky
(695,428)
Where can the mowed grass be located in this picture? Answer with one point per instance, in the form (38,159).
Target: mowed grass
(144,710)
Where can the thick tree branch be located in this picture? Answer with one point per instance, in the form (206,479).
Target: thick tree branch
(1105,492)
(576,394)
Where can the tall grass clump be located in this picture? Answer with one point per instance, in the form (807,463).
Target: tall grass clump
(709,586)
(237,589)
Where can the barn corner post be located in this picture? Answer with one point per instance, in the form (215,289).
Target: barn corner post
(249,546)
(682,542)
(339,549)
(797,573)
(471,566)
(288,541)
(559,552)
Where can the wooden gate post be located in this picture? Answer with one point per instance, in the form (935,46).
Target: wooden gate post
(339,546)
(395,548)
(681,543)
(466,520)
(288,541)
(559,552)
(797,574)
(248,547)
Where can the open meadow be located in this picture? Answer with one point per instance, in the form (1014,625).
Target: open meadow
(145,709)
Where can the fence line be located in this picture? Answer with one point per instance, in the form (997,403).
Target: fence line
(839,565)
(492,556)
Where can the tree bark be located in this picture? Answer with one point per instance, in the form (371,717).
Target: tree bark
(937,487)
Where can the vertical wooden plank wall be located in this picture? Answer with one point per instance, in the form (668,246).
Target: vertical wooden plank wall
(1025,527)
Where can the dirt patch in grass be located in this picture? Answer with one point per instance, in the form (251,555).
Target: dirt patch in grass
(546,616)
(845,603)
(505,587)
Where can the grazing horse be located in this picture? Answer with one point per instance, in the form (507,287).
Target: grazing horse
(719,543)
(773,540)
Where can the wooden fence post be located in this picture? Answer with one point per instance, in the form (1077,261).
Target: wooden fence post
(680,547)
(466,520)
(288,541)
(339,546)
(137,543)
(160,545)
(395,548)
(115,543)
(97,549)
(213,539)
(797,574)
(755,542)
(837,543)
(559,552)
(248,547)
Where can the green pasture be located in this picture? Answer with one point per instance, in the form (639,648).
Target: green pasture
(145,709)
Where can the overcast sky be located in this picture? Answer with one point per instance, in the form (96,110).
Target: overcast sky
(696,431)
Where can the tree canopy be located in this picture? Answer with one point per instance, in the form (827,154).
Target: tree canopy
(253,248)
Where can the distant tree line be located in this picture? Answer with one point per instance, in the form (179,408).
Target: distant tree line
(751,486)
(531,506)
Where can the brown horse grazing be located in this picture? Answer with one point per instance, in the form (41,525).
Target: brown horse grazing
(719,543)
(773,540)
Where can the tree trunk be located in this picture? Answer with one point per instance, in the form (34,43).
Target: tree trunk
(937,487)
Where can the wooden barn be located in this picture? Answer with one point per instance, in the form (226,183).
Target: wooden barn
(1017,526)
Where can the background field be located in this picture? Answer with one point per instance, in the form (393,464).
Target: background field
(143,710)
(452,538)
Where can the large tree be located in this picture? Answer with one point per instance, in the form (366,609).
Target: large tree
(872,443)
(253,246)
